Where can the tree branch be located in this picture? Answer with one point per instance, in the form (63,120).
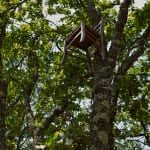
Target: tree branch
(95,15)
(118,33)
(50,118)
(14,6)
(140,50)
(146,132)
(123,134)
(32,80)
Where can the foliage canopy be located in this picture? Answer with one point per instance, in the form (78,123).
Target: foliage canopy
(53,98)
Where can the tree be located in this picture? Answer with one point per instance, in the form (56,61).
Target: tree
(44,103)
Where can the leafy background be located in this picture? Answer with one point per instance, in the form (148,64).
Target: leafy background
(38,84)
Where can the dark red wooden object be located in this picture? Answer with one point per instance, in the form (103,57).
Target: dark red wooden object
(82,37)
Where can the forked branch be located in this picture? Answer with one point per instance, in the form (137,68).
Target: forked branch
(119,28)
(140,50)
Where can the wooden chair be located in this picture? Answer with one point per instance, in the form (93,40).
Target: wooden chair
(82,37)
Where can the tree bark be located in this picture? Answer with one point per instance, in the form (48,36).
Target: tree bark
(102,117)
(101,136)
(3,92)
(104,101)
(3,85)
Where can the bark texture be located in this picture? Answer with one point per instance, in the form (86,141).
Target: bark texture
(104,101)
(3,85)
(3,92)
(101,137)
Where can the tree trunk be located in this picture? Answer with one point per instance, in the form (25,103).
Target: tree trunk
(3,85)
(3,91)
(101,136)
(104,93)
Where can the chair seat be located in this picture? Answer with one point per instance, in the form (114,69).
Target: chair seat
(89,38)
